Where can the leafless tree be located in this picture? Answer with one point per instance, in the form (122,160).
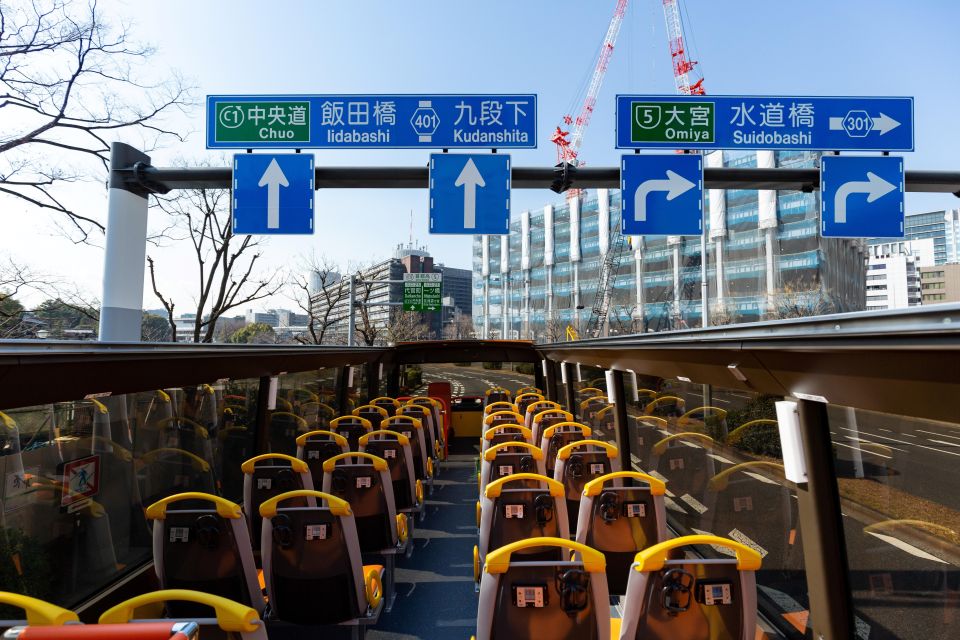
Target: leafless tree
(19,280)
(368,330)
(802,303)
(227,275)
(70,84)
(460,329)
(406,326)
(320,303)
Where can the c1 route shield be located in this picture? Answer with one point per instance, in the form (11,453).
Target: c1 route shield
(861,197)
(662,195)
(273,194)
(390,121)
(470,193)
(765,122)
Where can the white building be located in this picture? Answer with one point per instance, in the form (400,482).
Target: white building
(893,272)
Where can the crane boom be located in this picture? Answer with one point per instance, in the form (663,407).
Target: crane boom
(684,69)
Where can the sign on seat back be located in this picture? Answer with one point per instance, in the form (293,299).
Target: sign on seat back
(315,447)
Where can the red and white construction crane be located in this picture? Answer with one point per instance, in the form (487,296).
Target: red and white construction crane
(688,80)
(568,148)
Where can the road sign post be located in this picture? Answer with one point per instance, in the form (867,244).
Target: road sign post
(470,193)
(662,194)
(422,291)
(273,194)
(861,197)
(502,121)
(764,122)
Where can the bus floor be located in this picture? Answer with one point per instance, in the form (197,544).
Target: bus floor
(435,594)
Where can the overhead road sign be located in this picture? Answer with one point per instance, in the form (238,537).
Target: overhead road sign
(273,194)
(422,291)
(861,197)
(662,195)
(438,121)
(764,122)
(470,193)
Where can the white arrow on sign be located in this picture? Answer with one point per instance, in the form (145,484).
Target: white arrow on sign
(675,185)
(470,179)
(874,186)
(273,179)
(882,123)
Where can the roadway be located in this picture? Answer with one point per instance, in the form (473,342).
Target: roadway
(475,380)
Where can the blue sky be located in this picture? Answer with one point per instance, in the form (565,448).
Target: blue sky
(547,47)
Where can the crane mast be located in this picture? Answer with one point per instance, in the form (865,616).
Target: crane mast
(685,76)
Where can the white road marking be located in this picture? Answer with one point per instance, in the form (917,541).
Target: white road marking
(909,548)
(919,446)
(872,453)
(874,436)
(939,435)
(720,458)
(944,442)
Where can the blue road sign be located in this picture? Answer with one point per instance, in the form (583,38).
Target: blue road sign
(861,197)
(470,193)
(764,122)
(272,193)
(373,121)
(662,195)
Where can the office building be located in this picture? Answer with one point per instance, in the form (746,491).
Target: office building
(893,272)
(940,283)
(943,227)
(766,259)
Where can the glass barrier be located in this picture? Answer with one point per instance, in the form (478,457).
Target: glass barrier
(306,401)
(897,477)
(718,450)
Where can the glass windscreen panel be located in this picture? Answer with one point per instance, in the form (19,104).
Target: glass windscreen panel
(718,450)
(305,401)
(898,478)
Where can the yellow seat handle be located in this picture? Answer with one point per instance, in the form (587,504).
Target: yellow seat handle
(370,407)
(225,508)
(595,487)
(336,437)
(567,451)
(585,403)
(491,453)
(592,390)
(502,414)
(661,446)
(8,423)
(402,440)
(705,410)
(296,464)
(653,403)
(552,429)
(393,401)
(498,390)
(543,414)
(337,506)
(195,461)
(401,421)
(286,414)
(528,394)
(719,482)
(603,412)
(231,616)
(495,488)
(543,405)
(373,587)
(499,405)
(403,527)
(39,612)
(499,561)
(418,491)
(476,563)
(352,420)
(379,464)
(653,558)
(734,436)
(644,420)
(499,429)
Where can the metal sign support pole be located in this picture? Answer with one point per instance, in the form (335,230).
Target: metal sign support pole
(352,322)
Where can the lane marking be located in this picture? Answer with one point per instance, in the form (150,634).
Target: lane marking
(905,546)
(872,453)
(939,435)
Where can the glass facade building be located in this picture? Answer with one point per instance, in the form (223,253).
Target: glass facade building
(765,259)
(942,226)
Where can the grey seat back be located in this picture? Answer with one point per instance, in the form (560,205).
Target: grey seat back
(363,481)
(411,427)
(559,435)
(577,464)
(396,449)
(522,506)
(269,475)
(315,448)
(351,428)
(509,458)
(425,415)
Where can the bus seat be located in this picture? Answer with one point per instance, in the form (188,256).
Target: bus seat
(500,405)
(524,400)
(561,599)
(559,435)
(577,464)
(351,428)
(508,458)
(387,404)
(496,394)
(425,415)
(620,520)
(363,480)
(371,412)
(312,564)
(686,461)
(502,417)
(201,542)
(517,507)
(397,450)
(543,419)
(677,598)
(229,616)
(504,433)
(315,447)
(268,475)
(536,407)
(412,427)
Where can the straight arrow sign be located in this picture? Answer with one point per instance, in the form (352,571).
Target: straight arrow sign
(874,186)
(674,184)
(273,179)
(470,179)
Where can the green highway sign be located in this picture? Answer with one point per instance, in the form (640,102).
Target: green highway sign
(672,122)
(421,291)
(258,122)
